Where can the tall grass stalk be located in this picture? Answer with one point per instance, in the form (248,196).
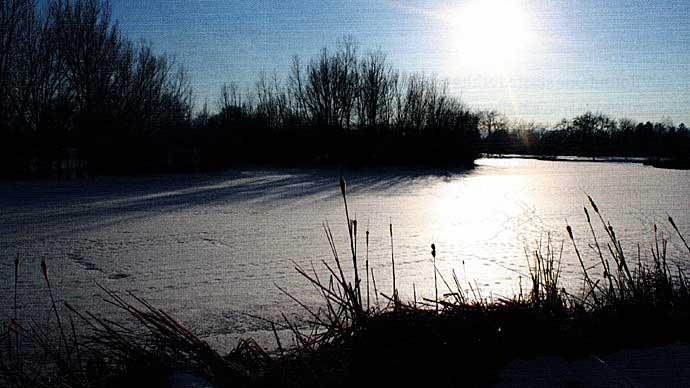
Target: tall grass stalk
(590,286)
(15,306)
(376,291)
(16,279)
(617,250)
(352,232)
(44,269)
(366,266)
(395,289)
(605,265)
(670,219)
(433,256)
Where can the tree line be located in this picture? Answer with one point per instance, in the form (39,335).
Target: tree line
(589,134)
(77,95)
(74,90)
(344,107)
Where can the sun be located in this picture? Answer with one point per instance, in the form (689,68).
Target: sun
(488,35)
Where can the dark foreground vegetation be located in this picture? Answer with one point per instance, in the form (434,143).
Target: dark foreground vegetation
(591,135)
(363,334)
(77,96)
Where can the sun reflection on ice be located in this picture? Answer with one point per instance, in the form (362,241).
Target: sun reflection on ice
(478,214)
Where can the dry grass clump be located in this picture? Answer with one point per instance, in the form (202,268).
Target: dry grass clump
(456,338)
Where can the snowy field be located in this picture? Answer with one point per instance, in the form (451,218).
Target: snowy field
(211,248)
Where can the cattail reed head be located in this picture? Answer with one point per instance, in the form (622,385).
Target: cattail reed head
(670,219)
(16,264)
(354,225)
(594,205)
(587,214)
(613,234)
(44,269)
(433,250)
(342,185)
(570,231)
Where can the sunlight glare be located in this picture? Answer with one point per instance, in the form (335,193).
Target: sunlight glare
(488,35)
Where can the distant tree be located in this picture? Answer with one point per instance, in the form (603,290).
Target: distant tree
(626,125)
(202,117)
(17,32)
(491,121)
(330,86)
(592,134)
(374,91)
(90,46)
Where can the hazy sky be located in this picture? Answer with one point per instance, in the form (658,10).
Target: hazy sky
(535,60)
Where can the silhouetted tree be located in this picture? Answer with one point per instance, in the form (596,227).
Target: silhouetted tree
(491,121)
(73,88)
(596,134)
(374,91)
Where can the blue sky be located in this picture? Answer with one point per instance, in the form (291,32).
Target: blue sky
(625,58)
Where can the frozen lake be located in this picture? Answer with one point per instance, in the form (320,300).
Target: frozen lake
(209,248)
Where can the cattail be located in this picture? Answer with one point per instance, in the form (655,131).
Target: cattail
(594,205)
(366,265)
(390,228)
(587,214)
(570,231)
(433,254)
(352,231)
(44,269)
(670,219)
(358,291)
(342,186)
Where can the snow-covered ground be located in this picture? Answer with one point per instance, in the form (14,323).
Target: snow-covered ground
(211,248)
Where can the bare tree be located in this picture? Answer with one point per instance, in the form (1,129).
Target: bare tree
(330,86)
(374,90)
(345,76)
(16,17)
(229,98)
(89,43)
(492,121)
(296,89)
(17,33)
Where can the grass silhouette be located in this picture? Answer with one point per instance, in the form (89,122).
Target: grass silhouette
(455,338)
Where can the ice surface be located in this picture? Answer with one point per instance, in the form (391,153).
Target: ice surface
(210,248)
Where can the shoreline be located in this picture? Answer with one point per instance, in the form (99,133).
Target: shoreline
(661,163)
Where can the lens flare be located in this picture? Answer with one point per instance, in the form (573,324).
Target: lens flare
(488,36)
